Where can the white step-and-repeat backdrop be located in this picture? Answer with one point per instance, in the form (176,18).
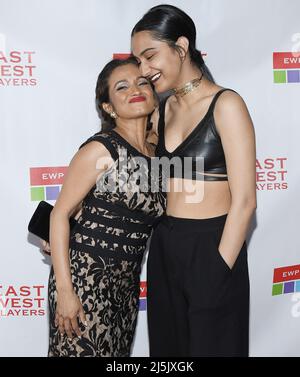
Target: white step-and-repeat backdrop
(50,55)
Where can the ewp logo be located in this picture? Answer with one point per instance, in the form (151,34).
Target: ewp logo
(286,280)
(143,296)
(286,66)
(46,182)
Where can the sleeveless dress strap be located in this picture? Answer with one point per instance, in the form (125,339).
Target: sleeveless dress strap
(105,140)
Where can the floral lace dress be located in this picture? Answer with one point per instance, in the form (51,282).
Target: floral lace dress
(106,249)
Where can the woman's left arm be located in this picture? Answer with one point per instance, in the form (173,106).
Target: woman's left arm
(236,130)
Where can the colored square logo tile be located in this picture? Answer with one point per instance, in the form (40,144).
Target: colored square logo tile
(52,192)
(289,287)
(37,193)
(279,77)
(277,289)
(293,76)
(297,286)
(143,305)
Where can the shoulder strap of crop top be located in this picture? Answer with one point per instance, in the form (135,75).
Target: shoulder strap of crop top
(216,96)
(162,107)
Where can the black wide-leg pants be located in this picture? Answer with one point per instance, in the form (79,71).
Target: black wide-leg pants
(197,305)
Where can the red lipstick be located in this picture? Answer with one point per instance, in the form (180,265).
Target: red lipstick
(137,99)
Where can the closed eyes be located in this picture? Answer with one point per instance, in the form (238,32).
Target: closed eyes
(145,82)
(147,58)
(141,83)
(121,87)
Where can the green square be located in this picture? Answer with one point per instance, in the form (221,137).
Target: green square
(277,289)
(280,77)
(37,193)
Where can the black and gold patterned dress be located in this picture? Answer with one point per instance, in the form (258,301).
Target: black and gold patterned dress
(106,250)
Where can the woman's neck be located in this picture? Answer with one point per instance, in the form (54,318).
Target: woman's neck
(134,131)
(188,73)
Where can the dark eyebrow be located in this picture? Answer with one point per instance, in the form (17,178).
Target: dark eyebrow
(147,49)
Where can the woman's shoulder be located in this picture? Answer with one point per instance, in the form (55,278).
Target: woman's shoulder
(218,93)
(229,92)
(228,99)
(230,109)
(101,142)
(98,136)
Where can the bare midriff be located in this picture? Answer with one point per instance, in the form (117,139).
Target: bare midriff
(197,199)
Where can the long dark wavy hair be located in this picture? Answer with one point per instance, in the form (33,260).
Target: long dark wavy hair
(102,89)
(167,23)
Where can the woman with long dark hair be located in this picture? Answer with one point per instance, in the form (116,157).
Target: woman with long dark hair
(198,283)
(94,282)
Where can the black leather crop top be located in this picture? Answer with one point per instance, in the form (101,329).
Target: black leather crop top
(202,143)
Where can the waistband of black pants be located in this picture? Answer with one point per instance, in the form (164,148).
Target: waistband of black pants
(184,224)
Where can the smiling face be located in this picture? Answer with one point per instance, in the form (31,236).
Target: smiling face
(131,95)
(158,61)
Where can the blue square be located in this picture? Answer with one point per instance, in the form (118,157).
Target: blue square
(52,192)
(289,287)
(143,305)
(297,288)
(293,76)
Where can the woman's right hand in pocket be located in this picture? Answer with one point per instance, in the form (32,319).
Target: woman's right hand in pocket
(68,310)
